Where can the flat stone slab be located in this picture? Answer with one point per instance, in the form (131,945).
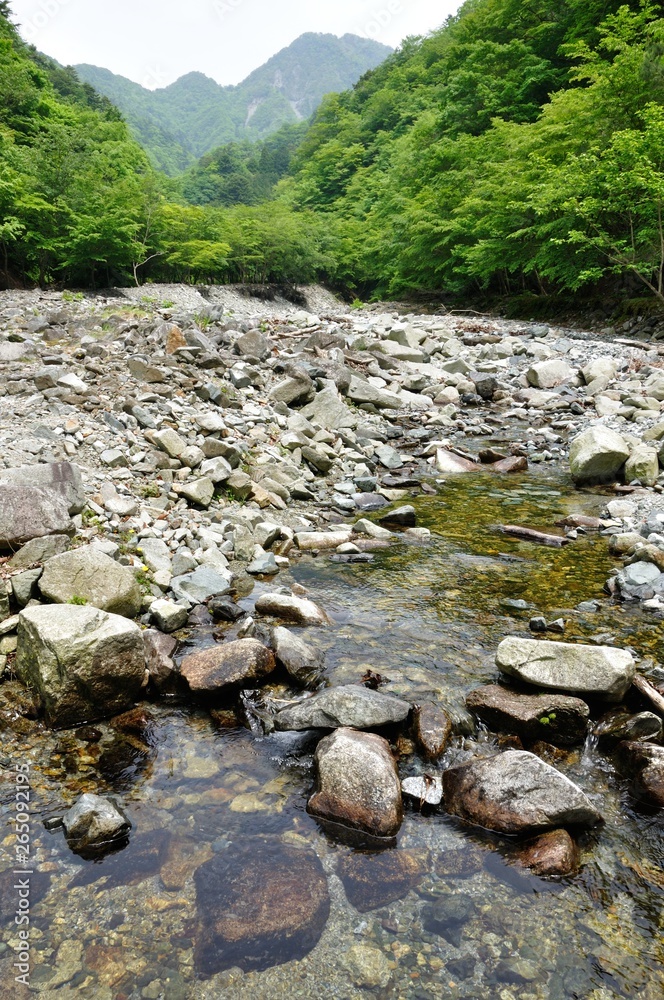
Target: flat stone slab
(515,792)
(28,512)
(62,477)
(350,705)
(88,575)
(600,671)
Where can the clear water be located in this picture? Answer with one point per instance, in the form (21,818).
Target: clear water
(428,618)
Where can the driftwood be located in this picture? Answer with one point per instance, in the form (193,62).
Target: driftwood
(645,688)
(530,535)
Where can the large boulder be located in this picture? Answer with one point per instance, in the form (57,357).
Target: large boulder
(329,410)
(61,477)
(28,512)
(201,585)
(88,575)
(357,785)
(227,665)
(303,662)
(555,718)
(549,374)
(260,903)
(297,610)
(515,792)
(83,663)
(597,455)
(600,671)
(642,465)
(351,705)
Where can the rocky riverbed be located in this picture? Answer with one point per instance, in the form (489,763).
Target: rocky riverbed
(303,711)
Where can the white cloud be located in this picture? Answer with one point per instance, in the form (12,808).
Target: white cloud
(155,41)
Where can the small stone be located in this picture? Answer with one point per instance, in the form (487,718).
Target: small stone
(167,616)
(95,823)
(368,967)
(448,915)
(425,790)
(403,517)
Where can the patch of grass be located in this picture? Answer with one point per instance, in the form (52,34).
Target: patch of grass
(78,601)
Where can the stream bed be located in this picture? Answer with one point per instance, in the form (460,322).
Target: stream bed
(428,618)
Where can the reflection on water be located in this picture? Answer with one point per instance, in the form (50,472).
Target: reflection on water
(447,914)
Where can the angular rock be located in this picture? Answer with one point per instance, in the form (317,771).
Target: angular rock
(426,790)
(297,610)
(155,554)
(28,512)
(253,346)
(227,665)
(549,374)
(555,718)
(448,915)
(552,854)
(89,575)
(351,706)
(329,410)
(304,663)
(644,763)
(403,517)
(298,389)
(600,368)
(170,442)
(601,671)
(432,728)
(95,823)
(357,785)
(363,392)
(240,485)
(83,663)
(216,469)
(368,967)
(159,649)
(642,465)
(619,725)
(515,792)
(450,464)
(201,585)
(260,903)
(167,616)
(375,880)
(198,491)
(597,455)
(62,477)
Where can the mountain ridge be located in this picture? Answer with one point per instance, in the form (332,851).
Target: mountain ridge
(193,115)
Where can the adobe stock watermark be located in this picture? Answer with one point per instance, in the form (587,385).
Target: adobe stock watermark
(45,13)
(22,872)
(223,8)
(375,20)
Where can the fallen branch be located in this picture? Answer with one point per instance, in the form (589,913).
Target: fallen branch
(645,688)
(530,535)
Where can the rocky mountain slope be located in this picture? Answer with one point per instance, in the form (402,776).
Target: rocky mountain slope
(180,123)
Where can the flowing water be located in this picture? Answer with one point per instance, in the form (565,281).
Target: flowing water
(428,617)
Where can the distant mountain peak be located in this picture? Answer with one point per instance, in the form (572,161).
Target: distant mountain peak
(179,123)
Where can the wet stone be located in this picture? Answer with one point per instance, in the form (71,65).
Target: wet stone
(644,763)
(304,663)
(225,610)
(123,762)
(554,853)
(95,823)
(377,879)
(432,728)
(350,705)
(227,665)
(448,915)
(561,720)
(260,903)
(614,727)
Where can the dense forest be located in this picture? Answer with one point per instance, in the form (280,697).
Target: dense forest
(519,149)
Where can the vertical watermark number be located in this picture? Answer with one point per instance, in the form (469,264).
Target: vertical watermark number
(22,872)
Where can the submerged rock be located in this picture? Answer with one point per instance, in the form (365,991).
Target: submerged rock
(601,671)
(303,662)
(83,663)
(515,792)
(377,879)
(227,665)
(94,824)
(644,763)
(554,853)
(357,785)
(560,720)
(88,575)
(448,915)
(260,903)
(350,705)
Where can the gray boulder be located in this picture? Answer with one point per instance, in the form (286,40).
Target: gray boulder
(253,345)
(86,574)
(28,512)
(297,610)
(549,374)
(601,671)
(597,455)
(357,785)
(83,663)
(201,585)
(349,706)
(330,411)
(360,391)
(515,792)
(94,823)
(303,662)
(62,477)
(642,464)
(39,550)
(299,388)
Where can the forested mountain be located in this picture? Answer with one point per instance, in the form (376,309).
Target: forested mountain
(519,150)
(179,123)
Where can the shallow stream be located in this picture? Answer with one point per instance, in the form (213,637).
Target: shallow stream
(428,618)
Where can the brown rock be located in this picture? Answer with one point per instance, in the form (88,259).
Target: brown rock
(515,463)
(558,718)
(227,665)
(358,785)
(432,730)
(174,339)
(182,863)
(260,903)
(554,853)
(138,722)
(644,763)
(460,862)
(374,880)
(159,649)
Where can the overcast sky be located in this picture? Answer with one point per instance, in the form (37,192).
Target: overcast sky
(155,41)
